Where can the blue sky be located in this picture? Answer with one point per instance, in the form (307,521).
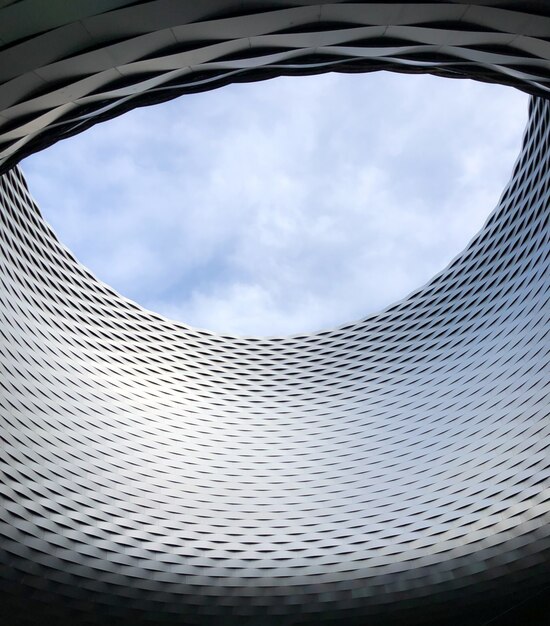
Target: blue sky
(283,206)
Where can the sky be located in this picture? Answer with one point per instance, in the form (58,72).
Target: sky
(283,206)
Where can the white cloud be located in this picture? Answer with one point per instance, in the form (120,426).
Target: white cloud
(283,206)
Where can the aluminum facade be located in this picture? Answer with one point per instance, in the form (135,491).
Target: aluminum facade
(390,471)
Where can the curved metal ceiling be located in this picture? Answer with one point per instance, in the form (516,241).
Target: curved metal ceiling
(390,471)
(65,67)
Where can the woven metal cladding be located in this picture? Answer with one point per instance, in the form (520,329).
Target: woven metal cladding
(65,66)
(391,471)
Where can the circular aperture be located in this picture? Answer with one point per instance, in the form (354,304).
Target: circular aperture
(283,206)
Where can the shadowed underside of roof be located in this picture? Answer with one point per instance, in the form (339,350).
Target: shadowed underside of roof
(65,66)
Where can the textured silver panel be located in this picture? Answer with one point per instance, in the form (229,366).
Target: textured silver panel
(394,470)
(66,67)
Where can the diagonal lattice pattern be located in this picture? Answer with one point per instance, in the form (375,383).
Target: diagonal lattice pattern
(390,471)
(63,69)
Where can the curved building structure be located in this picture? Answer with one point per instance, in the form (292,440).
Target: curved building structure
(391,471)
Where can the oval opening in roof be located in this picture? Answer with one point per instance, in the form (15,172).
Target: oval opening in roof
(283,206)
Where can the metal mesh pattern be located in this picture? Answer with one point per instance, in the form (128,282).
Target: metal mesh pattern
(394,470)
(64,68)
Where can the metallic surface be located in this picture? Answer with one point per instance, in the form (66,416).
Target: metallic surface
(394,470)
(65,66)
